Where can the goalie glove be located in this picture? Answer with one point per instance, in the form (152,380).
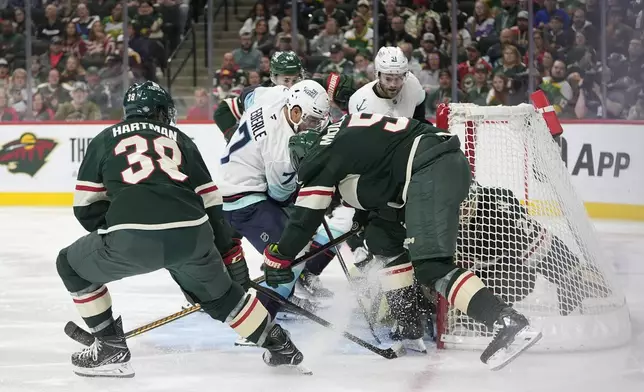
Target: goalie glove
(277,267)
(236,265)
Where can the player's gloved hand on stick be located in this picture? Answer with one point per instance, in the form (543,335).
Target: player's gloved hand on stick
(236,264)
(277,267)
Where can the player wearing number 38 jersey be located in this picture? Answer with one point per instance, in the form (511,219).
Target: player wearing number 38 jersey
(147,199)
(418,170)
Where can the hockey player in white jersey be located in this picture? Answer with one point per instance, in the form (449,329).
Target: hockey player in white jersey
(257,179)
(396,92)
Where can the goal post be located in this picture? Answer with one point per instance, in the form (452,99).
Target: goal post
(526,233)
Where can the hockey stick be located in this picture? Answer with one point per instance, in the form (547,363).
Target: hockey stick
(385,353)
(83,337)
(351,282)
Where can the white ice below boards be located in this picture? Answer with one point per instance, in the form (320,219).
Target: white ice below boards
(197,354)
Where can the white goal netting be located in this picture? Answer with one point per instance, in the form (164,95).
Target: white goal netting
(525,232)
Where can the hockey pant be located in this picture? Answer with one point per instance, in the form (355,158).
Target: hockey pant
(439,182)
(187,253)
(263,223)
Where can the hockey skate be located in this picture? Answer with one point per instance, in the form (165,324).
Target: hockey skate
(280,350)
(312,284)
(511,327)
(107,357)
(243,342)
(408,336)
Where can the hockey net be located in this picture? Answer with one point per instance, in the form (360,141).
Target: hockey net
(526,233)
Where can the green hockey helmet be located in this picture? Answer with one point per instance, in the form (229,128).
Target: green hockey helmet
(300,144)
(149,100)
(286,69)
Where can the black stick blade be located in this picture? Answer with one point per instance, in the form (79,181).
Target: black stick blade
(78,334)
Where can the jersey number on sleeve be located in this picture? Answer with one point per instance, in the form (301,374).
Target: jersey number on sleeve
(245,138)
(167,163)
(389,124)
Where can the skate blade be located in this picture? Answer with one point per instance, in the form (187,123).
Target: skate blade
(399,349)
(303,370)
(291,369)
(244,343)
(287,316)
(114,370)
(415,345)
(528,337)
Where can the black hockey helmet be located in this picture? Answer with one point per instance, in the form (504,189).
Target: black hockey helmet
(149,100)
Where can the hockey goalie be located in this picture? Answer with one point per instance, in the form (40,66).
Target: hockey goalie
(507,248)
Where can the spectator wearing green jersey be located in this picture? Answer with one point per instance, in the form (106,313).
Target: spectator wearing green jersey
(359,39)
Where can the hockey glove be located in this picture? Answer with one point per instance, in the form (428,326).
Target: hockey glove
(340,88)
(277,268)
(236,265)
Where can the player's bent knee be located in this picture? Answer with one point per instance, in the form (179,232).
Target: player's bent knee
(428,271)
(220,308)
(72,281)
(62,264)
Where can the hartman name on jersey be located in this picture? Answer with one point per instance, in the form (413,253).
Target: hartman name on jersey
(122,129)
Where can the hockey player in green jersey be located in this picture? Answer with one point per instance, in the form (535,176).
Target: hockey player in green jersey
(149,203)
(383,164)
(286,70)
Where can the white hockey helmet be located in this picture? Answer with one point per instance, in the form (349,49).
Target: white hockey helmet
(313,101)
(392,68)
(391,60)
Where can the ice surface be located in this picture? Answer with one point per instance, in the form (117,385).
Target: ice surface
(197,354)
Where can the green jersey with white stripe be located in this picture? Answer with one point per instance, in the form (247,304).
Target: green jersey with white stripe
(146,175)
(366,158)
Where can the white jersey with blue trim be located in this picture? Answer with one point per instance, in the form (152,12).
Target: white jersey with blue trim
(256,161)
(265,95)
(402,105)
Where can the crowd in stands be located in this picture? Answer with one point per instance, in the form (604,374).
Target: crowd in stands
(77,67)
(492,45)
(76,54)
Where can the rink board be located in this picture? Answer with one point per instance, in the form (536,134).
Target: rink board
(39,163)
